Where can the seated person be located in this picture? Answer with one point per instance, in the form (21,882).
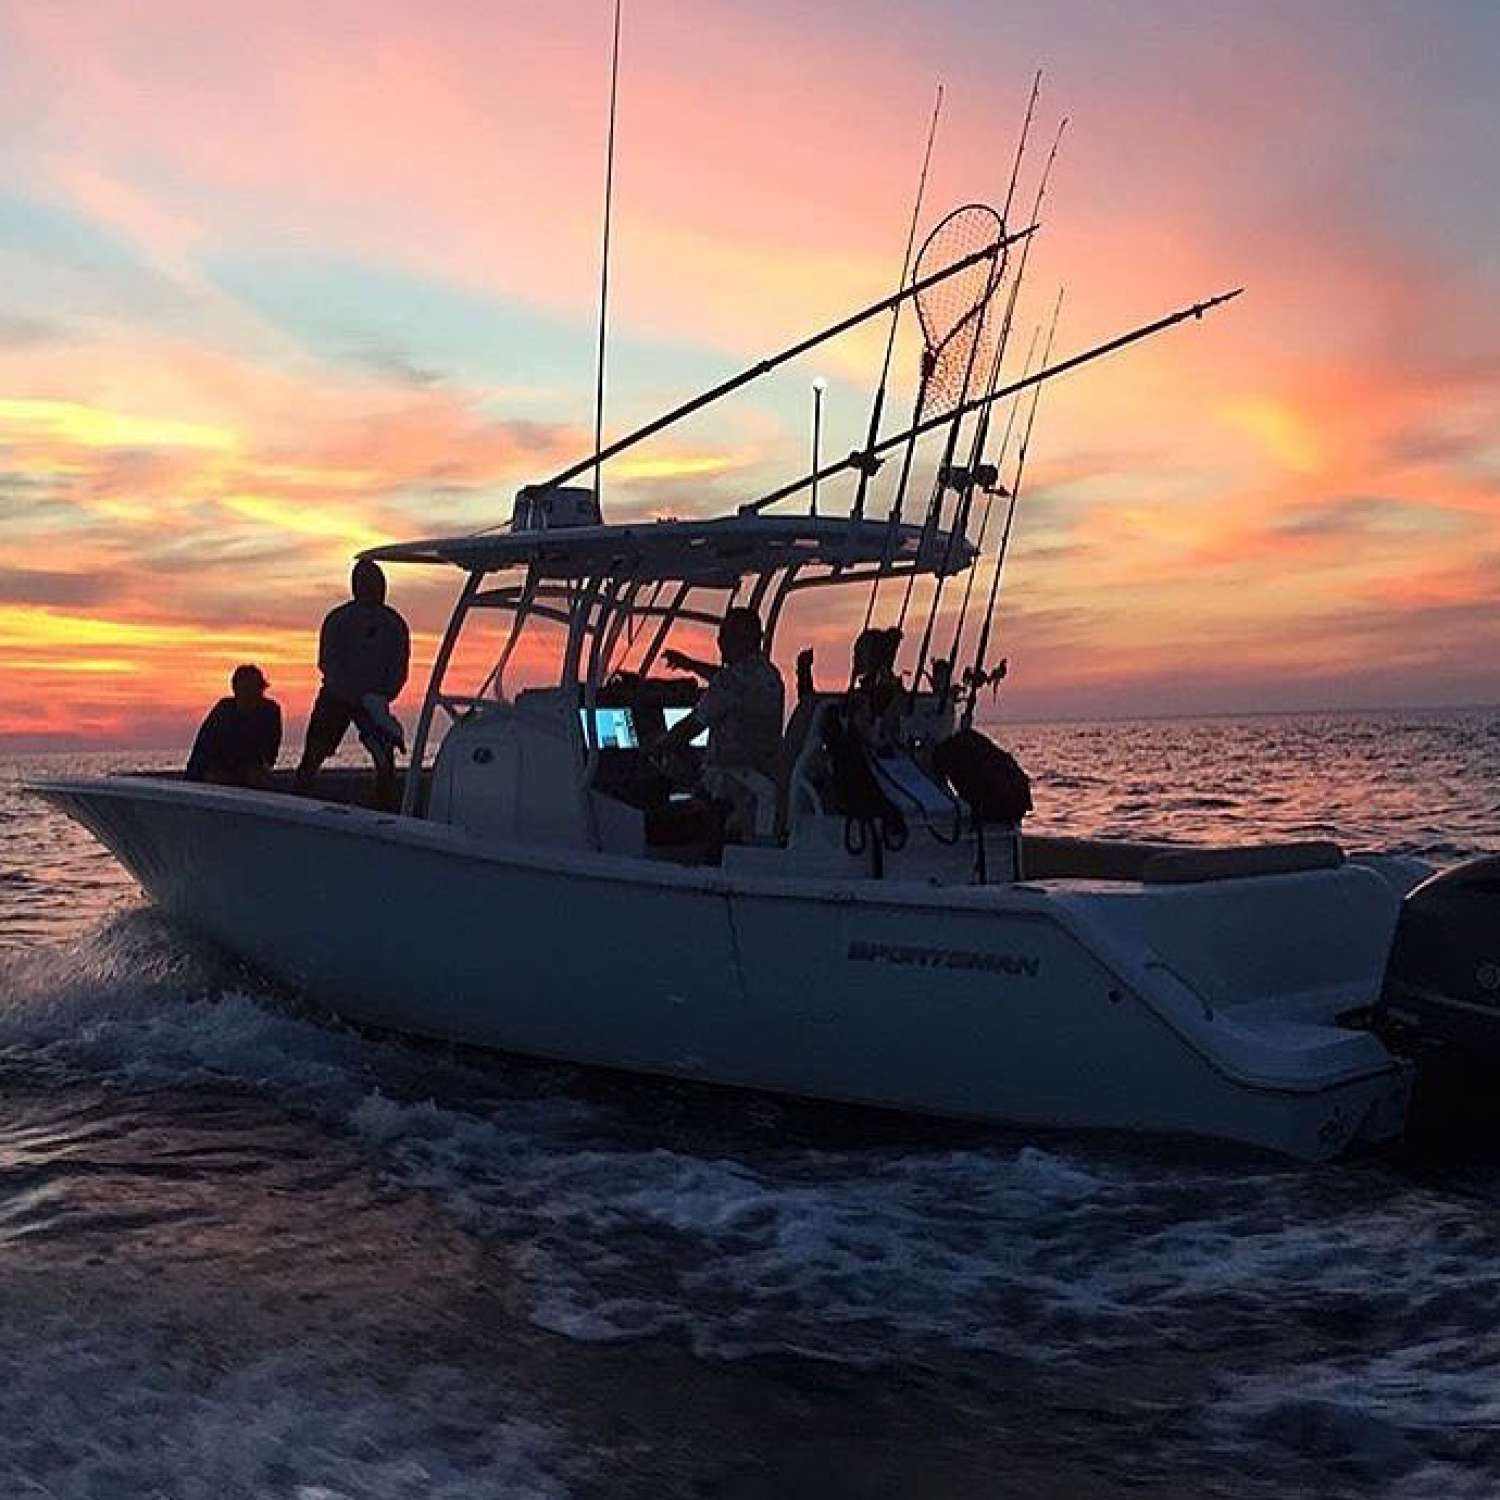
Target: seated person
(237,744)
(741,709)
(876,701)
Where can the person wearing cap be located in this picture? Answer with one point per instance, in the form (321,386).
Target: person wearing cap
(364,651)
(238,742)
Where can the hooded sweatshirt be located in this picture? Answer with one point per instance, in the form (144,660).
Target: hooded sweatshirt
(363,648)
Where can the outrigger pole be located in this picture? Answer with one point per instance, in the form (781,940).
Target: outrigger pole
(977,403)
(755,371)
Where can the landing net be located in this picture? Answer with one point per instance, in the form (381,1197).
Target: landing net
(954,313)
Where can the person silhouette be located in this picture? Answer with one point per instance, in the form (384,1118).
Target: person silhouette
(240,738)
(364,654)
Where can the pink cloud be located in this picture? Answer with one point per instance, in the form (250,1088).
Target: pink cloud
(766,164)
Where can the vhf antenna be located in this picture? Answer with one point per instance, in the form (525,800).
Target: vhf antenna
(609,195)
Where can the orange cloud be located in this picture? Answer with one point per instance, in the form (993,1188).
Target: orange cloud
(1269,490)
(25,424)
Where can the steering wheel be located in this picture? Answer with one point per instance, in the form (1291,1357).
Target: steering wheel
(680,767)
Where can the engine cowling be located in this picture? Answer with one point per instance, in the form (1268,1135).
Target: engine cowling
(1443,974)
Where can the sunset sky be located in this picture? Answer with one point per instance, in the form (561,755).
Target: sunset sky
(279,282)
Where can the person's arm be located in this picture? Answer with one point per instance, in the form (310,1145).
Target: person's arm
(712,708)
(273,734)
(198,756)
(326,645)
(680,659)
(400,658)
(205,746)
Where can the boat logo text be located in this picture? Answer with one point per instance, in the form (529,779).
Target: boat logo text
(914,955)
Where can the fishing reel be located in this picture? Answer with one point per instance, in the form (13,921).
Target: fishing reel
(976,679)
(982,477)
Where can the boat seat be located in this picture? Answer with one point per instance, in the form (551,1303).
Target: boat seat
(1051,857)
(800,744)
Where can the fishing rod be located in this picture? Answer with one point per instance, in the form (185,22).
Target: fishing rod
(978,676)
(1015,166)
(609,198)
(867,472)
(932,519)
(1003,342)
(1146,330)
(762,367)
(938,334)
(963,481)
(991,489)
(993,486)
(977,471)
(893,520)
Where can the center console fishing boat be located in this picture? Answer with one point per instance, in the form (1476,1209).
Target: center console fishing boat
(536,891)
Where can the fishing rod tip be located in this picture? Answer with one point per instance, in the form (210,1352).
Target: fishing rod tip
(1202,307)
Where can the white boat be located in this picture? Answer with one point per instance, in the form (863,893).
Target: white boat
(517,902)
(527,898)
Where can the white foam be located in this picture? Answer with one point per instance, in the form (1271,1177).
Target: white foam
(845,1256)
(1376,1415)
(1071,1257)
(141,1415)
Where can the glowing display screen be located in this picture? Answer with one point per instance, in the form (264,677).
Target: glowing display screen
(676,716)
(613,727)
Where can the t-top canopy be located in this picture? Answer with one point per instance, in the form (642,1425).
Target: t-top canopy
(714,552)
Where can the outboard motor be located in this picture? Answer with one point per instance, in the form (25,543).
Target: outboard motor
(1441,1003)
(1444,970)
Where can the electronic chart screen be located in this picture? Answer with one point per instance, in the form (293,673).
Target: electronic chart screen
(674,716)
(614,728)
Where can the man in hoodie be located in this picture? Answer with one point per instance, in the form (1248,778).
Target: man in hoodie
(364,651)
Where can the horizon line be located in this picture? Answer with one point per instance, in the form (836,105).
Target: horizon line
(43,743)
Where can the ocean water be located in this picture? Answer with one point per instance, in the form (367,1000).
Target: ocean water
(247,1252)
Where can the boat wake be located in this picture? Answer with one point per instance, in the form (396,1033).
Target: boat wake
(164,1420)
(203,1296)
(1329,1325)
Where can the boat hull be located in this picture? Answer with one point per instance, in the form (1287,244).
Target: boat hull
(1000,1003)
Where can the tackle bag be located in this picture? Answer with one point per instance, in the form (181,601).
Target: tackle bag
(983,775)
